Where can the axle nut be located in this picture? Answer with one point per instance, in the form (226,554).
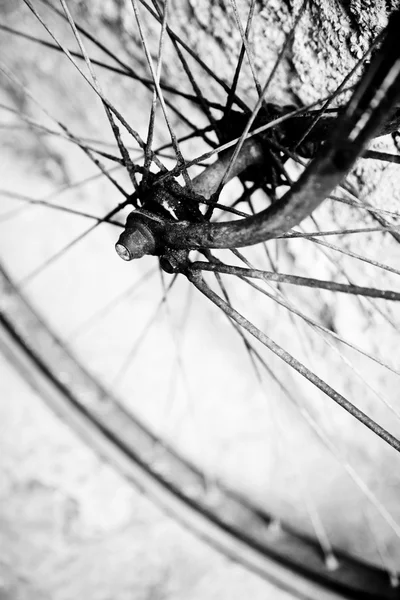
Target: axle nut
(135,242)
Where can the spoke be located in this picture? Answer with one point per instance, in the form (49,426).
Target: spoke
(341,87)
(362,378)
(360,375)
(197,58)
(180,159)
(60,253)
(68,138)
(65,188)
(197,280)
(383,551)
(165,417)
(246,196)
(282,301)
(245,46)
(274,156)
(315,326)
(121,372)
(11,214)
(222,207)
(197,132)
(4,69)
(233,323)
(245,36)
(288,153)
(312,511)
(191,408)
(177,367)
(169,404)
(199,94)
(150,134)
(331,562)
(261,98)
(66,209)
(70,187)
(123,150)
(134,133)
(125,71)
(315,427)
(264,244)
(364,206)
(293,311)
(384,156)
(364,259)
(340,458)
(231,94)
(375,215)
(298,112)
(128,71)
(370,301)
(297,280)
(299,234)
(109,307)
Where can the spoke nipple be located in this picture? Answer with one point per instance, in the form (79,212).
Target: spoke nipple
(169,264)
(174,261)
(274,528)
(331,562)
(135,242)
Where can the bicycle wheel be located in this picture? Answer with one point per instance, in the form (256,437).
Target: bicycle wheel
(224,434)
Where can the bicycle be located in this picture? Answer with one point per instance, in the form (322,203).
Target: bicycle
(171,220)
